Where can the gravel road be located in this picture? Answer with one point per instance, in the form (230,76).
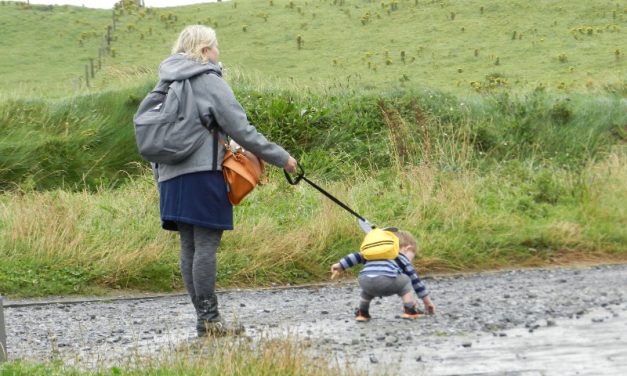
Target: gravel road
(557,321)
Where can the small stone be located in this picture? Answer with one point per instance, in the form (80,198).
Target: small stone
(392,339)
(419,358)
(467,344)
(373,359)
(324,312)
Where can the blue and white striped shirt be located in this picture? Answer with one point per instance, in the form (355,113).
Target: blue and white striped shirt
(389,268)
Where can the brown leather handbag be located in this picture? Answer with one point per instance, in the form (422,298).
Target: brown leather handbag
(242,172)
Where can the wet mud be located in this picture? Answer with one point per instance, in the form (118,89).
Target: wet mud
(559,321)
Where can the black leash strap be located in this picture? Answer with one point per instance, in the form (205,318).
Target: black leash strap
(301,176)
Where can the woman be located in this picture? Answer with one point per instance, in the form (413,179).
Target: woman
(193,196)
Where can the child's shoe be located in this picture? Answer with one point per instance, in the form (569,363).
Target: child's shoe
(411,313)
(362,316)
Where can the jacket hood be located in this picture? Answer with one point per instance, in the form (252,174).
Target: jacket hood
(179,67)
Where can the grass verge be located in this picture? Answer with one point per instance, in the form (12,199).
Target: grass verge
(214,357)
(60,242)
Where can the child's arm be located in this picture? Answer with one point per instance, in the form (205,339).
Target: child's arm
(429,306)
(346,262)
(417,284)
(335,270)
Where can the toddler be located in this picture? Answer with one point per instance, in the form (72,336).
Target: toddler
(389,277)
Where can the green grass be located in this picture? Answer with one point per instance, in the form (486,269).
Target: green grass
(214,357)
(86,142)
(488,175)
(60,242)
(49,48)
(461,46)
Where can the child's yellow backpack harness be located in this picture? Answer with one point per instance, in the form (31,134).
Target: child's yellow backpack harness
(380,244)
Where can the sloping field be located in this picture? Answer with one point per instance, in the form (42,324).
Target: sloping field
(329,44)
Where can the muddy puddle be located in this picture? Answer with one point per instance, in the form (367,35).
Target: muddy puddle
(593,344)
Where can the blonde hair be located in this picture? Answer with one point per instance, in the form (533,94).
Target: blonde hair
(406,238)
(193,39)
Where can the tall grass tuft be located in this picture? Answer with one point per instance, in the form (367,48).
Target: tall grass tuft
(229,356)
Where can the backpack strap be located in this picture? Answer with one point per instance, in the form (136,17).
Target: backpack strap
(213,127)
(162,87)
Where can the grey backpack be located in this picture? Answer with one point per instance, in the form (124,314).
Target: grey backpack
(168,127)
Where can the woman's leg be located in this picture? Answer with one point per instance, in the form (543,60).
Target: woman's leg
(206,243)
(186,260)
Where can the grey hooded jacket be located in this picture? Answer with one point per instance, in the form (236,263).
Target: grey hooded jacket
(217,105)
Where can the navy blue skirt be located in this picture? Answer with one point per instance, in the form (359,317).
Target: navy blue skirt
(198,198)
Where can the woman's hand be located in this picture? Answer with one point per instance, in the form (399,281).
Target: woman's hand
(290,166)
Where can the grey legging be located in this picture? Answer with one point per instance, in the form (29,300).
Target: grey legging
(199,246)
(383,286)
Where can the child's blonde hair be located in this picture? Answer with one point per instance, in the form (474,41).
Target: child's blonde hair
(406,238)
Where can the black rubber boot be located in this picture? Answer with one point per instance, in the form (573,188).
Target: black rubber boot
(210,322)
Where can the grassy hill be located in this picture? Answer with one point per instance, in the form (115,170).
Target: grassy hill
(499,140)
(458,46)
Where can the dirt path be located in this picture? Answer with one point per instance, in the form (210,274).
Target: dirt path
(528,322)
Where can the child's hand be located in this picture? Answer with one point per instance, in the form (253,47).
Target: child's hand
(335,270)
(429,306)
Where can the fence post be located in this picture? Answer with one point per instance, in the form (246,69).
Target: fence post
(86,75)
(3,334)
